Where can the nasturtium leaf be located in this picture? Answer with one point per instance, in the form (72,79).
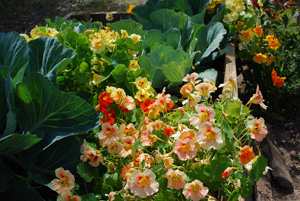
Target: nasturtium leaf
(258,167)
(130,26)
(44,110)
(106,189)
(85,170)
(15,143)
(47,55)
(232,107)
(217,166)
(247,189)
(120,57)
(228,130)
(112,179)
(119,73)
(164,196)
(13,54)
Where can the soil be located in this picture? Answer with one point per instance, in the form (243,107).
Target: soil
(22,16)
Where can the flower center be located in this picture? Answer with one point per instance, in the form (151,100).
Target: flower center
(176,177)
(195,187)
(210,135)
(186,148)
(144,181)
(204,116)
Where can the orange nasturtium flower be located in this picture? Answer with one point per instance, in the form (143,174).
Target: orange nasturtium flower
(277,81)
(260,58)
(258,31)
(270,60)
(269,38)
(274,44)
(246,154)
(129,10)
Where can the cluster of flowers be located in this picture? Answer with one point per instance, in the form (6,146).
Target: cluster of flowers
(37,32)
(187,140)
(268,43)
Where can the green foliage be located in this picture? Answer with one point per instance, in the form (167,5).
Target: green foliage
(34,110)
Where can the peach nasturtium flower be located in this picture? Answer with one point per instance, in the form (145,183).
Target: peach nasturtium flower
(195,190)
(260,58)
(175,179)
(205,88)
(205,114)
(109,134)
(143,184)
(246,154)
(258,129)
(209,137)
(67,196)
(185,149)
(65,182)
(277,81)
(257,98)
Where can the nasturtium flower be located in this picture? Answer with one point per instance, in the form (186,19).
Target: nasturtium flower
(258,129)
(176,179)
(143,184)
(109,17)
(109,117)
(246,35)
(209,137)
(260,58)
(269,38)
(258,31)
(111,195)
(27,38)
(115,147)
(50,32)
(67,196)
(127,104)
(246,154)
(257,98)
(270,60)
(128,130)
(141,95)
(108,134)
(142,83)
(134,65)
(129,10)
(204,114)
(186,89)
(274,44)
(127,145)
(36,32)
(92,154)
(195,190)
(191,78)
(226,173)
(136,38)
(185,149)
(98,45)
(65,181)
(205,88)
(118,95)
(277,81)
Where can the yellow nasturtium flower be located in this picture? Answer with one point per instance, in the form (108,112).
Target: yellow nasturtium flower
(260,58)
(246,35)
(26,37)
